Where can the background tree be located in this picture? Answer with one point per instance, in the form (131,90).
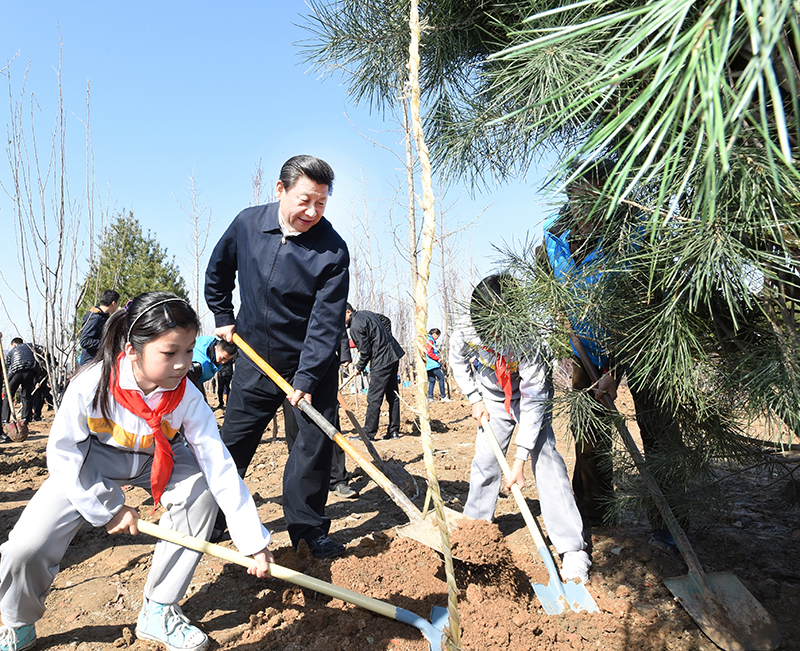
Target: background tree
(131,262)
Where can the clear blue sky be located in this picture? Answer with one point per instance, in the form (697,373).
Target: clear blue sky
(209,89)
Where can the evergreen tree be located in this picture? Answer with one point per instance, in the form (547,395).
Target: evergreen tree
(130,262)
(696,107)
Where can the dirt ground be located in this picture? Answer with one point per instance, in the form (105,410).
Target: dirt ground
(97,594)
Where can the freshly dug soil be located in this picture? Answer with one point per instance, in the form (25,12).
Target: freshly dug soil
(98,593)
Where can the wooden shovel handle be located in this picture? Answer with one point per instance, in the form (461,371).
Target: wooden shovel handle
(9,397)
(278,571)
(397,496)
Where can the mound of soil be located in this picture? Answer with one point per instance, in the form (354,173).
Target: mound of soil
(97,594)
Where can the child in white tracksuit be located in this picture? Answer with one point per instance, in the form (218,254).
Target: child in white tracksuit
(514,392)
(97,445)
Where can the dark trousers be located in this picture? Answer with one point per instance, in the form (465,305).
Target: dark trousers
(24,381)
(382,382)
(433,375)
(593,477)
(223,386)
(338,468)
(252,404)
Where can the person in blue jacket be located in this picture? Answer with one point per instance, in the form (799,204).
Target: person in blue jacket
(576,257)
(208,357)
(291,267)
(433,365)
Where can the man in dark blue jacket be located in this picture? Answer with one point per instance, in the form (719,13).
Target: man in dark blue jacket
(293,281)
(93,322)
(22,368)
(378,348)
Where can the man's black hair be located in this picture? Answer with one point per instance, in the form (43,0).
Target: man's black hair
(596,172)
(108,297)
(16,340)
(349,308)
(311,167)
(228,346)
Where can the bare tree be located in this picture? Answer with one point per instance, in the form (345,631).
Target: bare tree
(200,225)
(50,227)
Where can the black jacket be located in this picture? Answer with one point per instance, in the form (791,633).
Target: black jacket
(20,358)
(92,333)
(293,292)
(375,344)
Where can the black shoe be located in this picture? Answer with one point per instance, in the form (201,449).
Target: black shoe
(344,490)
(4,438)
(324,547)
(392,435)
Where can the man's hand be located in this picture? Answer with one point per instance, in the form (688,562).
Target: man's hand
(262,561)
(225,332)
(479,411)
(606,385)
(517,475)
(124,521)
(297,396)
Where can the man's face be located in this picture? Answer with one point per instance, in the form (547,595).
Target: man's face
(223,356)
(302,205)
(582,196)
(113,307)
(347,316)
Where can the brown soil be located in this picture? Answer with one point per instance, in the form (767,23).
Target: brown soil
(97,595)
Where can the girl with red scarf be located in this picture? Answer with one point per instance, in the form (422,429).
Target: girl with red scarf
(131,418)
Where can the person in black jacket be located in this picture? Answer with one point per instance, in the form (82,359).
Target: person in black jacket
(292,271)
(93,322)
(22,370)
(378,348)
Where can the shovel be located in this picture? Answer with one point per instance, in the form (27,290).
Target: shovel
(17,430)
(719,603)
(419,529)
(556,596)
(396,473)
(433,630)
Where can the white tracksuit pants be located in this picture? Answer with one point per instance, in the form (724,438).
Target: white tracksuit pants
(32,555)
(559,512)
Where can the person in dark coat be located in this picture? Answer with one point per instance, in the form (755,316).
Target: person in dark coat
(22,370)
(292,272)
(93,322)
(378,348)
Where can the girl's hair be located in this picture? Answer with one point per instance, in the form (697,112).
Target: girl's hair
(143,319)
(435,331)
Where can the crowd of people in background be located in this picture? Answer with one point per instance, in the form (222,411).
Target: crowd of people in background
(291,268)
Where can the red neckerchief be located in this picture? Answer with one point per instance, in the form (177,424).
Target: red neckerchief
(132,401)
(504,378)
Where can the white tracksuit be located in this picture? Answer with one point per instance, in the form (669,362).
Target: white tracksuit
(473,369)
(90,459)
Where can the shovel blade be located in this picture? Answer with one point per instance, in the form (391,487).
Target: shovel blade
(427,531)
(17,431)
(557,598)
(749,627)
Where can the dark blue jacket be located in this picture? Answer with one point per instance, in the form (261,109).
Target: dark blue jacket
(376,345)
(92,333)
(293,292)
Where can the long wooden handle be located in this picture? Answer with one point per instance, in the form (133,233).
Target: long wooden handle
(397,496)
(9,397)
(515,490)
(361,433)
(278,571)
(649,481)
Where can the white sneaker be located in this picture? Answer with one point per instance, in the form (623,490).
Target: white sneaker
(445,400)
(575,566)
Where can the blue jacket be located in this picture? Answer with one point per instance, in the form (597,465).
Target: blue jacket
(293,292)
(205,355)
(581,276)
(92,333)
(433,358)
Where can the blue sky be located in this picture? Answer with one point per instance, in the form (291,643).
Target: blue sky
(209,90)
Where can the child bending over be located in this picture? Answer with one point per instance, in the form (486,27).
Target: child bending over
(515,387)
(131,418)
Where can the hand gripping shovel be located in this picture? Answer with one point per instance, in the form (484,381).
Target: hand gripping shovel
(556,596)
(719,603)
(433,630)
(17,430)
(419,528)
